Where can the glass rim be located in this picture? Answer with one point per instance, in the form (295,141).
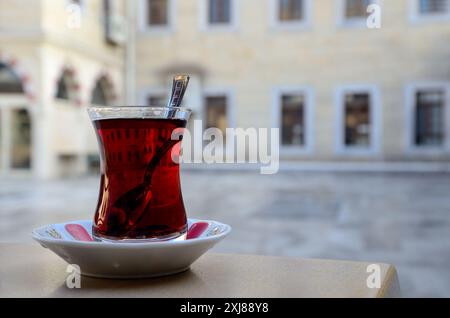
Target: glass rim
(97,112)
(102,107)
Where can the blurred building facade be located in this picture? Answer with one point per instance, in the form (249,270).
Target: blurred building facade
(56,58)
(338,90)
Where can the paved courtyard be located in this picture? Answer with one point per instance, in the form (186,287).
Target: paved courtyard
(403,219)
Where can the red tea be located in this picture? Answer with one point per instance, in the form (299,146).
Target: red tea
(140,194)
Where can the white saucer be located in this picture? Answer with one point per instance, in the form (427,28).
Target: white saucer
(73,242)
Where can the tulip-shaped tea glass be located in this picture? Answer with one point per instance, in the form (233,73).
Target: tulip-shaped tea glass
(140,195)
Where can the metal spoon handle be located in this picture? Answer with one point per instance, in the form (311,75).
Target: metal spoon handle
(180,83)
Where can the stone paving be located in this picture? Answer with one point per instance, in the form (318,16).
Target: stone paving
(402,219)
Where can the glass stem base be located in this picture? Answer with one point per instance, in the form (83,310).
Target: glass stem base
(177,236)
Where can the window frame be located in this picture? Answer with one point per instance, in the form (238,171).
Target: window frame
(231,103)
(153,91)
(410,109)
(344,22)
(375,120)
(205,25)
(309,115)
(416,17)
(146,28)
(305,23)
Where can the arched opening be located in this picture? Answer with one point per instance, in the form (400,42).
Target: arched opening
(66,86)
(10,83)
(15,122)
(103,92)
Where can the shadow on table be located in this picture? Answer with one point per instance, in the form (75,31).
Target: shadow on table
(177,285)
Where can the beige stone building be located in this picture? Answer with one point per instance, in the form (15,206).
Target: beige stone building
(339,89)
(56,58)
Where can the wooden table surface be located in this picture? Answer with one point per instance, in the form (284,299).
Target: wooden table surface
(32,271)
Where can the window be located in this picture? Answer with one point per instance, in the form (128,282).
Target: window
(113,30)
(291,10)
(157,100)
(66,86)
(354,12)
(293,114)
(429,10)
(357,8)
(429,117)
(9,81)
(99,95)
(15,138)
(287,14)
(218,15)
(154,96)
(433,6)
(21,139)
(103,92)
(219,11)
(107,13)
(216,112)
(2,124)
(157,12)
(93,163)
(62,91)
(292,120)
(68,164)
(156,16)
(357,120)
